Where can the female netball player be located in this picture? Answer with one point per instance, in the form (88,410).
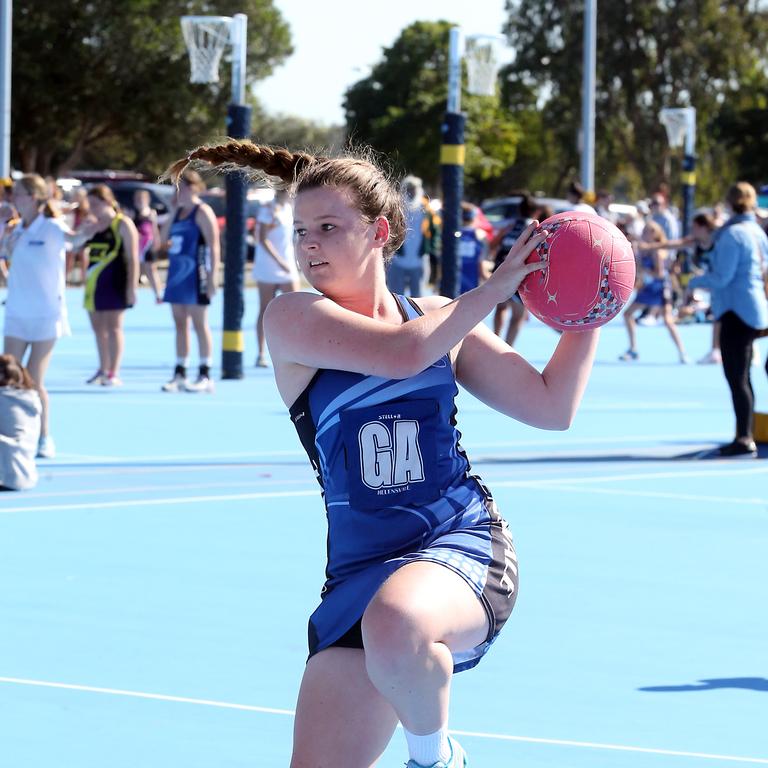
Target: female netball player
(422,573)
(112,275)
(193,261)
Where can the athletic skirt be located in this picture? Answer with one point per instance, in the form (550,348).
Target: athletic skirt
(483,555)
(36,328)
(654,293)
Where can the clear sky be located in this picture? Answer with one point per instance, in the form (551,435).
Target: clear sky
(336,42)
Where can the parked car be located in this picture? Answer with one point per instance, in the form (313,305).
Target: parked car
(501,211)
(160,195)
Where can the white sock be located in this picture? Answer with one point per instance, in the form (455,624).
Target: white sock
(206,361)
(182,361)
(429,749)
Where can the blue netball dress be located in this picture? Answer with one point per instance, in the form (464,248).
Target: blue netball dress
(470,250)
(655,291)
(188,263)
(397,488)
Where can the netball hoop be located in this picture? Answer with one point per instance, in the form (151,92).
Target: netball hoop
(675,121)
(206,38)
(483,56)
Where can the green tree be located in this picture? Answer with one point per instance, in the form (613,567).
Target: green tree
(107,83)
(650,55)
(295,132)
(398,109)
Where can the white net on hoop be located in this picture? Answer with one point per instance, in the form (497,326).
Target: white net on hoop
(676,123)
(483,56)
(206,38)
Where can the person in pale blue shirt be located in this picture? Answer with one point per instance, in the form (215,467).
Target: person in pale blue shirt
(736,281)
(408,270)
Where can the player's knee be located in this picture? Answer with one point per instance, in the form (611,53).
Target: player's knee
(391,634)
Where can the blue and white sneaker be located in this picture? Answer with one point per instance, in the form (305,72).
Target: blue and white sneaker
(458,758)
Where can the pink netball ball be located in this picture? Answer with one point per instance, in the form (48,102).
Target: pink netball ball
(591,272)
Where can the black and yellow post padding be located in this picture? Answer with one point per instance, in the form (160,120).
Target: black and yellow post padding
(452,154)
(688,178)
(233,345)
(233,341)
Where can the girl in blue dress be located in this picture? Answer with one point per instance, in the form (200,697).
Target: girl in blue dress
(654,292)
(421,572)
(193,260)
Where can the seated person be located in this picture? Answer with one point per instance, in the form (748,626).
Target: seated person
(20,410)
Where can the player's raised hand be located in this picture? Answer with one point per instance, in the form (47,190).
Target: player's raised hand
(514,269)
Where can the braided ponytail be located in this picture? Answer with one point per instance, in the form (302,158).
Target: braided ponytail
(236,155)
(374,191)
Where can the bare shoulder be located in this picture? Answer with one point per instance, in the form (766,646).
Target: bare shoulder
(206,212)
(127,225)
(294,300)
(290,308)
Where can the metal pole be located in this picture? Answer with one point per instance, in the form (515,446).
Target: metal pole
(588,96)
(239,39)
(6,20)
(452,170)
(454,70)
(688,175)
(238,127)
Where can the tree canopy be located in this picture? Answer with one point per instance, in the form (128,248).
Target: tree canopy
(701,53)
(398,109)
(107,83)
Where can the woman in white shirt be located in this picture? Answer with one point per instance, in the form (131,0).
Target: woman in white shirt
(35,308)
(274,268)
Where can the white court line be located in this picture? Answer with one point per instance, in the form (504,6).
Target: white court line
(714,470)
(649,494)
(160,502)
(181,456)
(474,734)
(256,482)
(157,470)
(549,484)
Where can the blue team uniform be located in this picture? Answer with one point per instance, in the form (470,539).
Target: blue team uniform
(470,250)
(655,291)
(398,488)
(188,263)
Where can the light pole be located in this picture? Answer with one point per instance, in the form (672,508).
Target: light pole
(206,38)
(482,56)
(452,153)
(680,123)
(588,96)
(6,19)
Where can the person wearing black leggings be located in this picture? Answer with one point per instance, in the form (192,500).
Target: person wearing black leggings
(736,338)
(735,280)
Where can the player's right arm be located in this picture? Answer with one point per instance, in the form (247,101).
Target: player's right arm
(316,332)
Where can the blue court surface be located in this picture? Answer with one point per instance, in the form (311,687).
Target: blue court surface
(155,586)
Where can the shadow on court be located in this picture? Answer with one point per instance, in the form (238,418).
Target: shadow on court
(702,454)
(744,683)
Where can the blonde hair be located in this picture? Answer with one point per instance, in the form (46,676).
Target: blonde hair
(192,179)
(658,233)
(742,197)
(37,187)
(105,194)
(14,374)
(373,191)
